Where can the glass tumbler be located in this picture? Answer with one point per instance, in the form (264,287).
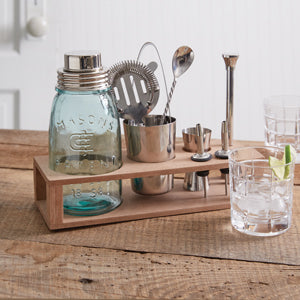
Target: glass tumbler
(282,121)
(261,203)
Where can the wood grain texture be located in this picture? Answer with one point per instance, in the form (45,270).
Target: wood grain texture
(132,169)
(136,207)
(24,137)
(189,256)
(201,234)
(18,147)
(38,270)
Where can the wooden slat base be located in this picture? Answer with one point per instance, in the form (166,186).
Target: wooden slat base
(135,207)
(49,191)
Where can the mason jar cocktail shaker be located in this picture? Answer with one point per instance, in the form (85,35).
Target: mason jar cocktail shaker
(84,134)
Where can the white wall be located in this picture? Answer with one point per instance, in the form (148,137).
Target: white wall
(265,33)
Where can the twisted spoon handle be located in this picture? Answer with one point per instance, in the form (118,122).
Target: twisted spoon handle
(169,99)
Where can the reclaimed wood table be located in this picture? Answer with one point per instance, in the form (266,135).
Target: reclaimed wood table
(191,256)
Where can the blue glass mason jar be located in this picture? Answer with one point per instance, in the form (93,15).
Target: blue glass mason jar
(84,134)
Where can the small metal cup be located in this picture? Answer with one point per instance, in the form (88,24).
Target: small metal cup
(190,139)
(152,141)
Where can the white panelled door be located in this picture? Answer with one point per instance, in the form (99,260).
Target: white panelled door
(25,63)
(9,57)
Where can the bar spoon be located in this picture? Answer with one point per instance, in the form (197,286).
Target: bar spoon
(182,60)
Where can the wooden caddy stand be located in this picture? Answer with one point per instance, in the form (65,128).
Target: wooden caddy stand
(48,187)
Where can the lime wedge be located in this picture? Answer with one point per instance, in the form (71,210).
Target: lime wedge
(277,167)
(289,154)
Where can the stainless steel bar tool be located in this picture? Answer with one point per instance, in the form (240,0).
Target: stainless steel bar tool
(205,184)
(230,62)
(201,155)
(196,181)
(223,153)
(182,60)
(133,102)
(226,173)
(189,139)
(192,182)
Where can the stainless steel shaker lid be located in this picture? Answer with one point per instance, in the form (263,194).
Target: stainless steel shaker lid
(82,60)
(82,71)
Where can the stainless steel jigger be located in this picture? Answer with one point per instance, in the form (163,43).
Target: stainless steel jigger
(226,173)
(230,62)
(223,153)
(201,155)
(204,177)
(193,182)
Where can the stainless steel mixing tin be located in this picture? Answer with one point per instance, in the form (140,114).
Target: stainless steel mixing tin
(153,185)
(190,139)
(151,142)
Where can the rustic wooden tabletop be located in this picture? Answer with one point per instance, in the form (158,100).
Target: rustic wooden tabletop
(187,256)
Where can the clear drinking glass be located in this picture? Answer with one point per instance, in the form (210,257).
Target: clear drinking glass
(282,121)
(261,203)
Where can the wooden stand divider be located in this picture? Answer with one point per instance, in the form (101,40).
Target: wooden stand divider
(48,186)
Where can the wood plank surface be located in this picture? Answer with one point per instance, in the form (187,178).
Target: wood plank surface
(18,147)
(189,256)
(24,137)
(201,234)
(39,270)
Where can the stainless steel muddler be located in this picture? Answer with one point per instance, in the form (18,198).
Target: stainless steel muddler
(230,62)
